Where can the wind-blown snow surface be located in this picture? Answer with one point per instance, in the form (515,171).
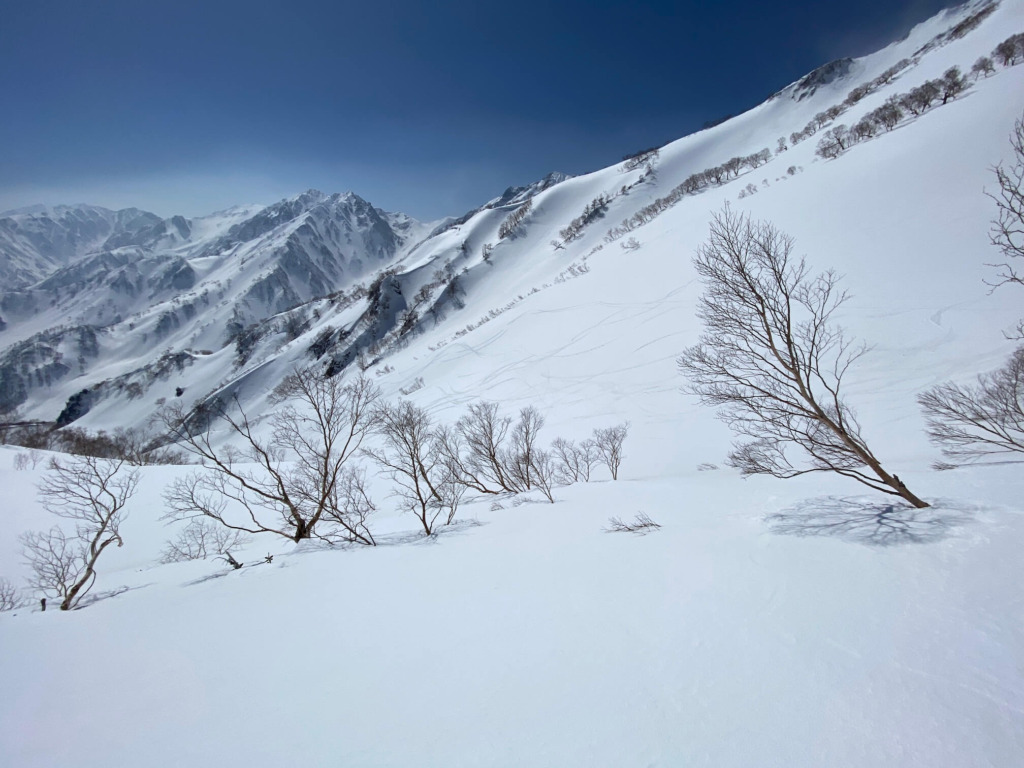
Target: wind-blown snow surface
(752,629)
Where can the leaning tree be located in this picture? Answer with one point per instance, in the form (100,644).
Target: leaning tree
(773,361)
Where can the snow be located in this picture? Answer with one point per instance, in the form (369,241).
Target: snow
(768,622)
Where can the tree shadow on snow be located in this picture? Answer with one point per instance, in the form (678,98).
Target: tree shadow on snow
(868,521)
(107,594)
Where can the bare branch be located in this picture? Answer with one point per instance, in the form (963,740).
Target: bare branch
(641,524)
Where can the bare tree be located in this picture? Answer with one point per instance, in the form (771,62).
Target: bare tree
(574,461)
(544,472)
(460,463)
(413,459)
(10,596)
(889,114)
(1010,51)
(866,127)
(983,67)
(952,84)
(1007,232)
(970,422)
(834,142)
(519,458)
(201,539)
(352,507)
(772,360)
(92,492)
(608,443)
(288,482)
(482,434)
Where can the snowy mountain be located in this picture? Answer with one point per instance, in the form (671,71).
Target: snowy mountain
(803,622)
(36,241)
(167,287)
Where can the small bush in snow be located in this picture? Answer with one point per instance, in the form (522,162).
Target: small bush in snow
(201,539)
(10,596)
(608,443)
(641,524)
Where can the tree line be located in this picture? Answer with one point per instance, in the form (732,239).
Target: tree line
(302,478)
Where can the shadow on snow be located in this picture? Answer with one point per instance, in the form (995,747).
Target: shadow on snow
(864,520)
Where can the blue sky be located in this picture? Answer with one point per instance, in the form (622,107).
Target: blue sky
(427,108)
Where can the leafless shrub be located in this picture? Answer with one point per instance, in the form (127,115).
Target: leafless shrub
(412,457)
(519,458)
(706,467)
(10,596)
(475,449)
(866,128)
(834,142)
(290,480)
(918,100)
(574,461)
(91,492)
(772,360)
(510,225)
(1007,233)
(201,539)
(889,114)
(608,443)
(641,158)
(952,84)
(351,509)
(983,67)
(969,422)
(1010,51)
(593,210)
(641,525)
(631,245)
(758,159)
(543,473)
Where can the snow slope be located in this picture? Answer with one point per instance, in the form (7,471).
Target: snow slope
(769,623)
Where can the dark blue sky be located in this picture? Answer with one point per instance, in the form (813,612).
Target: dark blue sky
(428,108)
